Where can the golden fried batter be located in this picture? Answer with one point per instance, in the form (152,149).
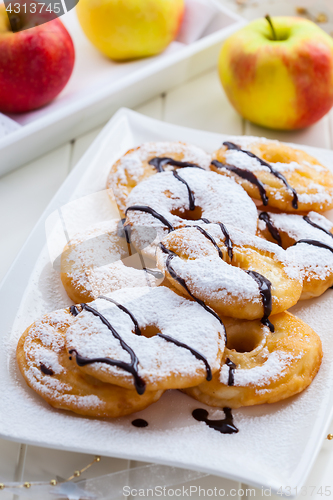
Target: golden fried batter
(263,367)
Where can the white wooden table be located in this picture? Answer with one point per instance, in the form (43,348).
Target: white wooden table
(24,194)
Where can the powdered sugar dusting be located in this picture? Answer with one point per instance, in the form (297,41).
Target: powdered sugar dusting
(215,279)
(52,343)
(158,359)
(243,161)
(210,276)
(306,257)
(130,169)
(220,199)
(320,194)
(104,279)
(274,367)
(94,261)
(246,162)
(312,192)
(246,141)
(131,163)
(42,346)
(247,240)
(274,440)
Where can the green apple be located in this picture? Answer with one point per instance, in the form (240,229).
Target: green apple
(279,73)
(129,29)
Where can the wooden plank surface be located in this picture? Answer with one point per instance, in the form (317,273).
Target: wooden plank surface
(202,104)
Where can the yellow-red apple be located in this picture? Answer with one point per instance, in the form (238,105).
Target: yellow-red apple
(129,29)
(35,64)
(279,75)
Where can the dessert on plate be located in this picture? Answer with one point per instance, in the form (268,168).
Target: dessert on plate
(190,290)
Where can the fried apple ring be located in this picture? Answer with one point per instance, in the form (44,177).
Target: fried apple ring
(308,241)
(147,339)
(172,200)
(46,367)
(260,367)
(280,176)
(99,261)
(233,272)
(148,159)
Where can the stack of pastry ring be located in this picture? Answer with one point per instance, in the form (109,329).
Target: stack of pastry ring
(261,367)
(308,240)
(245,278)
(276,174)
(118,354)
(190,290)
(101,260)
(148,159)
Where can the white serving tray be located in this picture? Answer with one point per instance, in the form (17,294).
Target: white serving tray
(276,444)
(98,86)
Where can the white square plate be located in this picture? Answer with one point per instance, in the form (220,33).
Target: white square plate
(99,86)
(276,444)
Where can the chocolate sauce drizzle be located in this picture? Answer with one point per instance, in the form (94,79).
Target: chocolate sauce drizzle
(263,283)
(309,221)
(232,367)
(278,175)
(45,369)
(315,244)
(182,283)
(264,216)
(158,162)
(276,235)
(74,311)
(157,274)
(210,238)
(120,228)
(247,175)
(191,198)
(266,294)
(193,351)
(140,422)
(131,367)
(139,383)
(228,242)
(165,337)
(137,330)
(225,426)
(124,231)
(151,211)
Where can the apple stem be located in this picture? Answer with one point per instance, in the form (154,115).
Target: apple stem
(268,18)
(15,23)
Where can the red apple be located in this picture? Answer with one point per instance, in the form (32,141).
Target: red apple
(35,64)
